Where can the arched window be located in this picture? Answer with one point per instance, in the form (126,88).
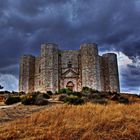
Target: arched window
(69,64)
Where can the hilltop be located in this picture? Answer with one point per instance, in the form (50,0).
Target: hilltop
(69,122)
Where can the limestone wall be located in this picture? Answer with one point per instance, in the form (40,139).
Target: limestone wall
(111,72)
(39,83)
(90,66)
(70,69)
(102,73)
(49,54)
(27,71)
(54,69)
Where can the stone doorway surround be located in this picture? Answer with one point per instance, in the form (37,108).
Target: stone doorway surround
(70,85)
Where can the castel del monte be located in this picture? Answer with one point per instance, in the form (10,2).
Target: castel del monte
(56,69)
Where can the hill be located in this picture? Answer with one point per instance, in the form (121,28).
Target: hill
(69,122)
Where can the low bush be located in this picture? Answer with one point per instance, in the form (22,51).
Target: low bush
(27,100)
(49,93)
(94,91)
(79,94)
(35,98)
(114,97)
(65,90)
(94,96)
(62,97)
(40,100)
(85,90)
(12,99)
(100,101)
(123,100)
(75,100)
(46,96)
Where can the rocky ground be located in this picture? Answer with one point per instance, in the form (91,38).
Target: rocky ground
(18,111)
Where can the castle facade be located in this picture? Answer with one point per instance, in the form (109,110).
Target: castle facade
(55,69)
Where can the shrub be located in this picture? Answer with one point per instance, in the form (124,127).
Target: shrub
(85,89)
(49,93)
(27,100)
(79,94)
(85,99)
(94,91)
(12,99)
(35,98)
(100,101)
(62,97)
(40,100)
(94,96)
(114,97)
(22,93)
(74,100)
(123,100)
(89,90)
(46,96)
(111,93)
(65,90)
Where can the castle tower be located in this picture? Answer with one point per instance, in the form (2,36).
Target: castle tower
(39,83)
(111,76)
(102,73)
(27,71)
(55,69)
(90,66)
(49,64)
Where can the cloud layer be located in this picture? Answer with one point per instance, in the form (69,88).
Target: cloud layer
(113,25)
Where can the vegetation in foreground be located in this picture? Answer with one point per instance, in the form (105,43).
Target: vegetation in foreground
(70,97)
(85,122)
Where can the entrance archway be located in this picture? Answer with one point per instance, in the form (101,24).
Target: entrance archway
(70,85)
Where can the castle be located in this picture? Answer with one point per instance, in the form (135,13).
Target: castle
(55,69)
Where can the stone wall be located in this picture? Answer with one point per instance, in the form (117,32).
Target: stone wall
(49,54)
(90,66)
(111,77)
(39,83)
(27,71)
(69,65)
(54,69)
(102,79)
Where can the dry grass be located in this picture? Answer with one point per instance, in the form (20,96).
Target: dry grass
(19,111)
(86,122)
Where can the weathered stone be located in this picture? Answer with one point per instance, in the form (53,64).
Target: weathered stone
(55,69)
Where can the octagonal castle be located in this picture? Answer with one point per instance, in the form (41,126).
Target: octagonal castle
(55,69)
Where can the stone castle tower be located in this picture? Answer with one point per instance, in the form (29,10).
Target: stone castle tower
(55,69)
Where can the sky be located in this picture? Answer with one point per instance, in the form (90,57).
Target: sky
(113,24)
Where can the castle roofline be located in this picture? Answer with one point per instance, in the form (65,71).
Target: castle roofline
(69,50)
(50,44)
(27,55)
(89,44)
(109,54)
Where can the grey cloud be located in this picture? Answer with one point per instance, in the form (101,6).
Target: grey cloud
(25,24)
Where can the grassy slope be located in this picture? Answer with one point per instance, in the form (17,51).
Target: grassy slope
(86,122)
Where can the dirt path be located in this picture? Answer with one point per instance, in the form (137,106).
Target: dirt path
(13,112)
(9,106)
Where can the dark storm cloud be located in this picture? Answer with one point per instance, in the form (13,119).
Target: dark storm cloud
(25,24)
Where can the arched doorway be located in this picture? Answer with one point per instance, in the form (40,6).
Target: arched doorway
(70,85)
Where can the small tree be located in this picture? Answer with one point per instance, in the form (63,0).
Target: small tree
(1,87)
